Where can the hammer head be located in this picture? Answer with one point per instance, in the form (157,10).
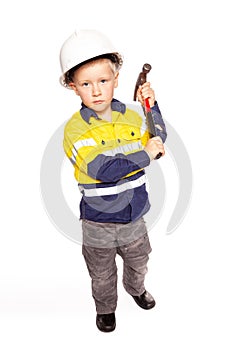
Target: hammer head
(146,68)
(142,78)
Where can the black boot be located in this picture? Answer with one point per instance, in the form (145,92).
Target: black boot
(106,322)
(145,300)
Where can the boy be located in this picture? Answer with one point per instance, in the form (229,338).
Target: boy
(109,147)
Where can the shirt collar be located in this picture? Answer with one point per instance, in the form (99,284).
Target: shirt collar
(87,113)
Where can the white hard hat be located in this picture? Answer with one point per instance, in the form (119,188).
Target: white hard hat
(84,45)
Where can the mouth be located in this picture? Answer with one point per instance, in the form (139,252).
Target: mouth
(98,102)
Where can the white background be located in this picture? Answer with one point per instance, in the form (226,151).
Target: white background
(45,295)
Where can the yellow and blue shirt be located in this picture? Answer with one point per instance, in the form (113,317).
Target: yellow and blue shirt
(109,162)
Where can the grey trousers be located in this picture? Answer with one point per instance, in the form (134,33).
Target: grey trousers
(101,264)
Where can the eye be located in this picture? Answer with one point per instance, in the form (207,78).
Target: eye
(85,84)
(103,81)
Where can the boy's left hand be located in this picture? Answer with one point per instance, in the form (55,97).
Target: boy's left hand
(145,91)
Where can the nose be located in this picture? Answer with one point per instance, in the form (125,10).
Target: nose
(96,90)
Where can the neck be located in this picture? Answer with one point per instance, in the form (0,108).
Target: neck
(106,115)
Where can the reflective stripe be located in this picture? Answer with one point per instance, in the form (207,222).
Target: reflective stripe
(131,147)
(77,145)
(83,143)
(109,191)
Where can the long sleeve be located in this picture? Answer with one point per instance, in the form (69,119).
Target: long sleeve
(112,169)
(159,123)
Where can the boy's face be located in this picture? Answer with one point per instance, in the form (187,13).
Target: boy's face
(95,82)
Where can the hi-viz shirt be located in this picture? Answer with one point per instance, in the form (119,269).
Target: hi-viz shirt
(109,161)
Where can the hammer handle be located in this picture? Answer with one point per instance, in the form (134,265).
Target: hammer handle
(151,126)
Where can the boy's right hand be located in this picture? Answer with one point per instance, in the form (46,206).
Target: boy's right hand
(154,146)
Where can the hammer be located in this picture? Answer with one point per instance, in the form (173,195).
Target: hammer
(150,122)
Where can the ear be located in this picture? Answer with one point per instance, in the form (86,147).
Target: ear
(73,87)
(116,80)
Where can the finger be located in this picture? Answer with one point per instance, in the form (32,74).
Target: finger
(139,92)
(148,94)
(157,138)
(146,84)
(139,98)
(146,87)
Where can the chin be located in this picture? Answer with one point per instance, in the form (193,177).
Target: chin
(100,108)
